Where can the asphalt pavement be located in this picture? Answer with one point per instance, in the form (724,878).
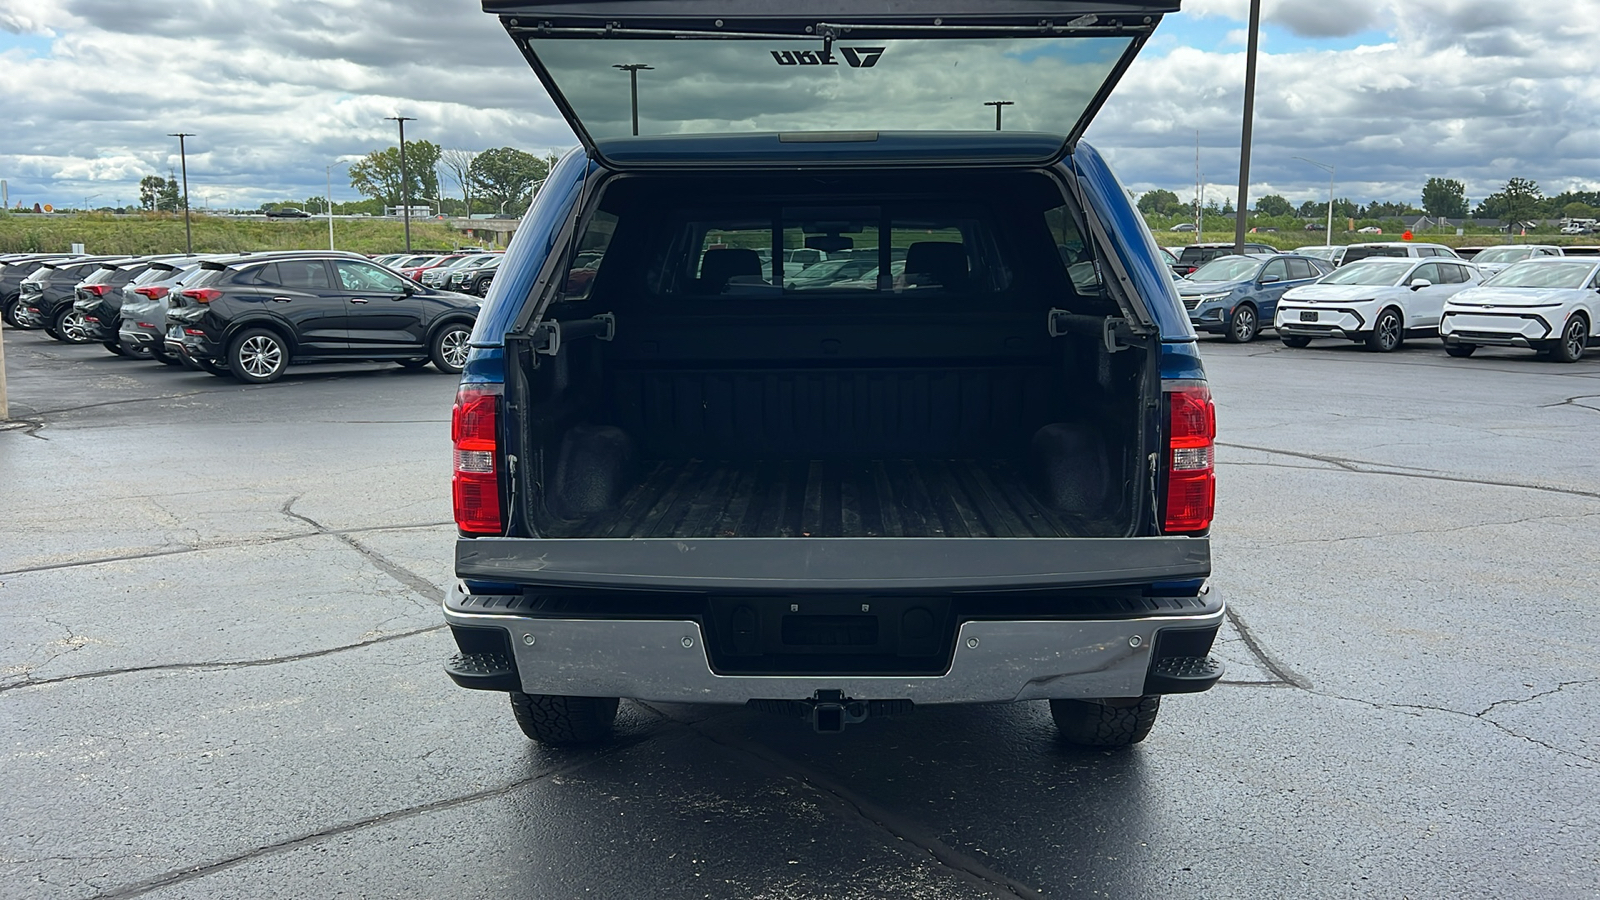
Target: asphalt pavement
(221,650)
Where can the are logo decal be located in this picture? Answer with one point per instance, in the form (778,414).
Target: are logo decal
(855,57)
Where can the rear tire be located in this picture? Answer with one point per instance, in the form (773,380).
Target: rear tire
(1243,325)
(115,348)
(70,328)
(449,348)
(558,721)
(1460,351)
(258,356)
(1299,342)
(411,363)
(212,366)
(1573,341)
(165,358)
(1388,331)
(1097,723)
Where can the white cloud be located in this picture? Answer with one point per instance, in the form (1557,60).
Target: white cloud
(275,90)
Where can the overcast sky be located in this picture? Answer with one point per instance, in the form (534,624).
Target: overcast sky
(1388,91)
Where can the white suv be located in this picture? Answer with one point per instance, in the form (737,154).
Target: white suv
(1492,261)
(1548,305)
(1400,249)
(1377,301)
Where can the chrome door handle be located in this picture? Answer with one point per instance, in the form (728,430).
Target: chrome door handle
(358,299)
(281,299)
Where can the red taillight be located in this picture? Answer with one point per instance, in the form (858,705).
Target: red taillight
(1191,460)
(195,332)
(202,295)
(99,290)
(475,486)
(154,293)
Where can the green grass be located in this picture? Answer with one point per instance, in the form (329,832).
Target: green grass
(163,233)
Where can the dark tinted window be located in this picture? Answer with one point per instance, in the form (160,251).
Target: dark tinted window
(360,276)
(303,274)
(1278,268)
(1430,273)
(1300,270)
(1355,253)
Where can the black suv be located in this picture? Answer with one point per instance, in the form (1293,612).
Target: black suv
(46,296)
(253,315)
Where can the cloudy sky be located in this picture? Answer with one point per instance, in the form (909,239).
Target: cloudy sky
(1388,91)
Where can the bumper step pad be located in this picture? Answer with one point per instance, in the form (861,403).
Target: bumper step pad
(1184,675)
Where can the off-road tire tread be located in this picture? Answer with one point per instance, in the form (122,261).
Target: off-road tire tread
(558,721)
(1089,723)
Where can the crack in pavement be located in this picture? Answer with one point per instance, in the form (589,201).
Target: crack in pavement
(190,873)
(219,665)
(1364,467)
(1278,670)
(1520,700)
(777,765)
(1409,532)
(1476,717)
(221,545)
(411,580)
(1573,401)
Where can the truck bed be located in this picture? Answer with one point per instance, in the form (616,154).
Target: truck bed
(698,498)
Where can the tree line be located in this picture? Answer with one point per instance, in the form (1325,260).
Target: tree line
(501,181)
(1519,200)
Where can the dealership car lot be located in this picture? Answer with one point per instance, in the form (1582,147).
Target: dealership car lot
(220,675)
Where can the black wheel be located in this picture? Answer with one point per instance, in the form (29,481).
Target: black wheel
(8,313)
(1244,326)
(1297,341)
(1574,338)
(258,356)
(115,348)
(561,721)
(1387,332)
(450,347)
(163,357)
(411,363)
(212,366)
(1105,723)
(1460,351)
(69,327)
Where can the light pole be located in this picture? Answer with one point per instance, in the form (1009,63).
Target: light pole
(183,159)
(633,70)
(1330,193)
(87,199)
(405,183)
(1241,213)
(329,167)
(438,205)
(999,107)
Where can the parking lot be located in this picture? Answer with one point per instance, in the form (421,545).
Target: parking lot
(221,650)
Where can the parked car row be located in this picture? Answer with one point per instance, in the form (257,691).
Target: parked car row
(439,270)
(1527,296)
(249,315)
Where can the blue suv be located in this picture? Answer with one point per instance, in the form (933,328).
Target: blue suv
(983,471)
(1233,295)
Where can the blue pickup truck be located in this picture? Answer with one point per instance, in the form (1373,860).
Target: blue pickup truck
(980,470)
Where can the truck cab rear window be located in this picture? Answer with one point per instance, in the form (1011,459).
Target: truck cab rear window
(814,251)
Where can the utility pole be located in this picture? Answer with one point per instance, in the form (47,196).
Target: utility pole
(999,106)
(1240,214)
(183,158)
(633,70)
(405,183)
(329,167)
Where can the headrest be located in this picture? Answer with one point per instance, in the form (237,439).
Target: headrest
(718,266)
(937,262)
